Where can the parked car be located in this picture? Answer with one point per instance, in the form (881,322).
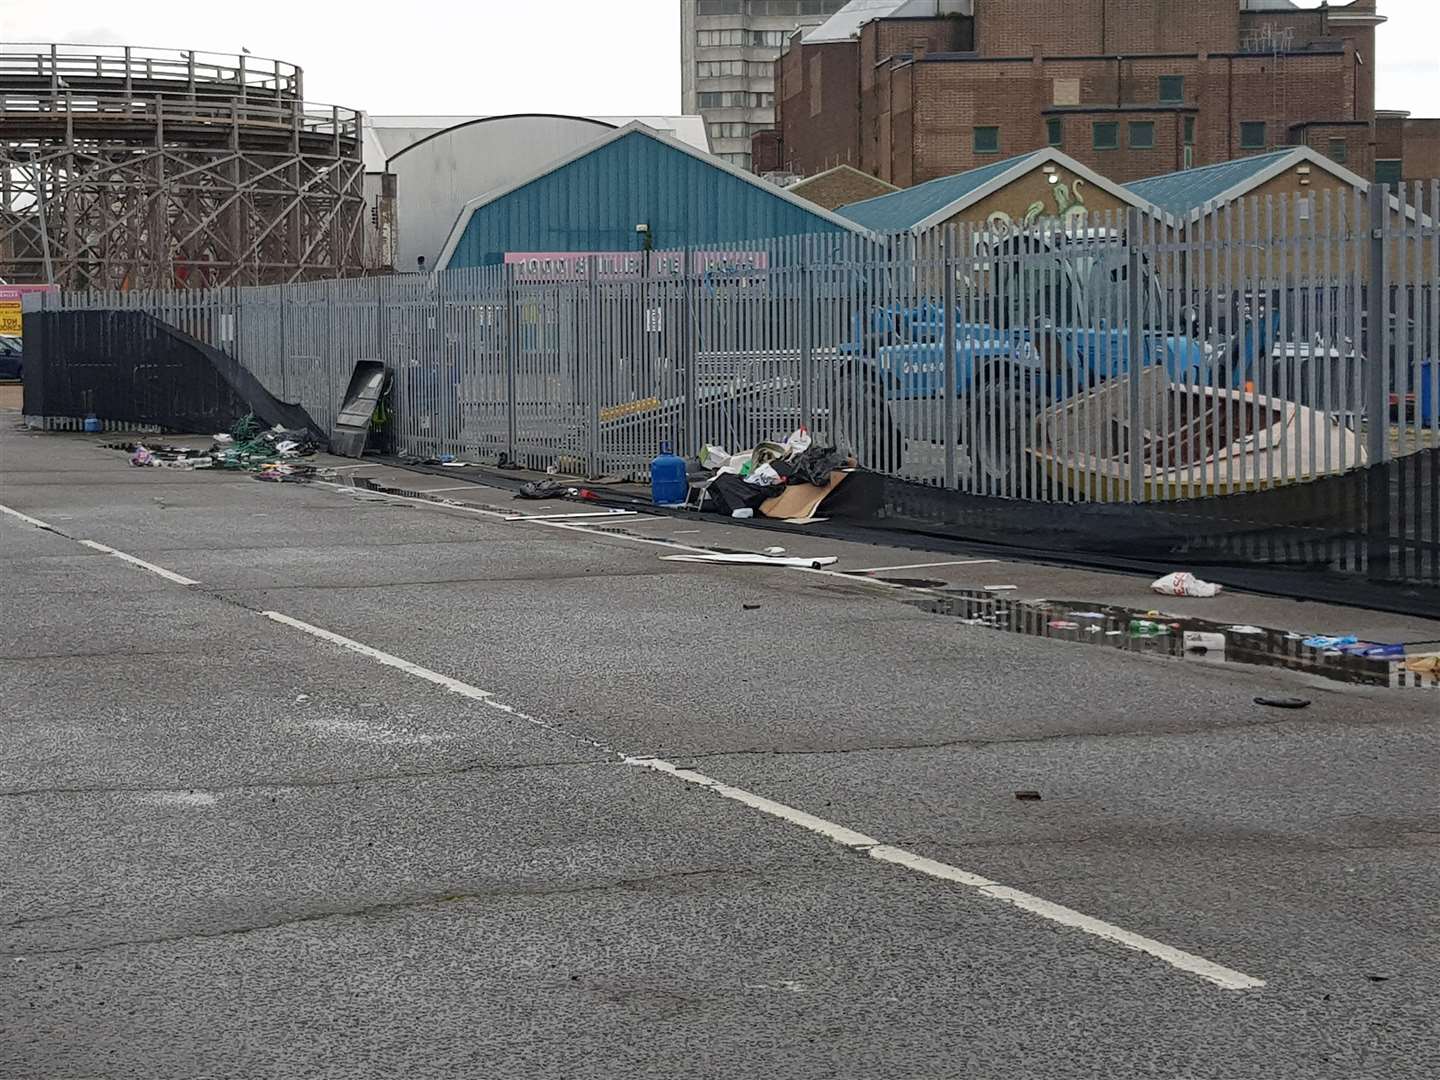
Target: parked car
(12,358)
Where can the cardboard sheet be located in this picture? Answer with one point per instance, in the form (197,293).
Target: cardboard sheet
(801,500)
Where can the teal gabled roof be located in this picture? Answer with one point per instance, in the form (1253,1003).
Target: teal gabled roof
(907,208)
(1180,193)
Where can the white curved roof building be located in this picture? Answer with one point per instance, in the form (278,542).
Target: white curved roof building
(439,163)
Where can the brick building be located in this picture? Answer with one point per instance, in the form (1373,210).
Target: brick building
(910,90)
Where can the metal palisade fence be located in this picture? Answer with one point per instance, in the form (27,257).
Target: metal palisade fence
(1100,357)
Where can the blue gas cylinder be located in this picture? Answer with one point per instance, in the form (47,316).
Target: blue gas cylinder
(92,424)
(668,486)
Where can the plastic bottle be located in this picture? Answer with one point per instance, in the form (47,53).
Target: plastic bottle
(668,485)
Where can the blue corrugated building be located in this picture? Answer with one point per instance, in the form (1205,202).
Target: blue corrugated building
(593,201)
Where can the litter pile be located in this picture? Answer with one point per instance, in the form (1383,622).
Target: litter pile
(273,454)
(793,481)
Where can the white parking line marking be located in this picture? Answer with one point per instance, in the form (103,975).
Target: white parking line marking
(453,685)
(168,575)
(923,565)
(27,519)
(1221,976)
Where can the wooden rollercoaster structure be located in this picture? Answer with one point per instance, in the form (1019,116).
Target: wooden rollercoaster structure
(125,167)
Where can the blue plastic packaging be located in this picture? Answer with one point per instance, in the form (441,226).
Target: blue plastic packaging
(92,424)
(668,486)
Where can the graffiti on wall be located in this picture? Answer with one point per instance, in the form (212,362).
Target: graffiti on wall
(1070,210)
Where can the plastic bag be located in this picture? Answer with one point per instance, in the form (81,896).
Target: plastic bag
(714,457)
(797,442)
(764,476)
(1183,584)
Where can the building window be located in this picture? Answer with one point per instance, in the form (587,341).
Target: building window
(987,140)
(767,39)
(711,39)
(729,131)
(720,7)
(1142,135)
(1252,135)
(1105,135)
(1172,89)
(740,161)
(719,69)
(761,101)
(1189,131)
(760,69)
(1339,151)
(1055,131)
(1390,172)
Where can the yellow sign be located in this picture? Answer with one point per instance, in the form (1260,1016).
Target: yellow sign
(10,321)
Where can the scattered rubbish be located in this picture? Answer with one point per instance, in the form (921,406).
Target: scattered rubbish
(1321,641)
(775,551)
(1204,645)
(284,472)
(750,607)
(1424,665)
(1383,652)
(714,457)
(764,476)
(1283,702)
(92,424)
(1378,978)
(1244,629)
(1184,585)
(1147,628)
(542,489)
(1062,624)
(301,697)
(1028,796)
(1114,633)
(743,512)
(455,464)
(246,448)
(1087,614)
(1000,588)
(745,559)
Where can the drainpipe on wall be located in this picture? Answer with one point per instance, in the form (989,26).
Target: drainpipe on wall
(1229,108)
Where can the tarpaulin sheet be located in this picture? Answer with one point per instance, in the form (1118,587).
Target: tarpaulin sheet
(129,367)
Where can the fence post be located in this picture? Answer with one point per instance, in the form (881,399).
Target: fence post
(689,336)
(592,351)
(947,298)
(1135,358)
(284,366)
(512,341)
(807,332)
(1377,390)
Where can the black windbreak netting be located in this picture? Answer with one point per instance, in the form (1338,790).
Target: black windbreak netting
(1311,541)
(1369,537)
(129,367)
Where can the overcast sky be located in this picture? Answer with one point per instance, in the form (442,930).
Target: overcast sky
(498,56)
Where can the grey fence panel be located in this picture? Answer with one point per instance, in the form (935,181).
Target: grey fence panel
(1101,356)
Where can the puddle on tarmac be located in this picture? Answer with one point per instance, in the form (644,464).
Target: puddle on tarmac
(1160,634)
(1108,626)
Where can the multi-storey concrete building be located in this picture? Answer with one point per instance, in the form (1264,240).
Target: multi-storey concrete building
(728,50)
(909,90)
